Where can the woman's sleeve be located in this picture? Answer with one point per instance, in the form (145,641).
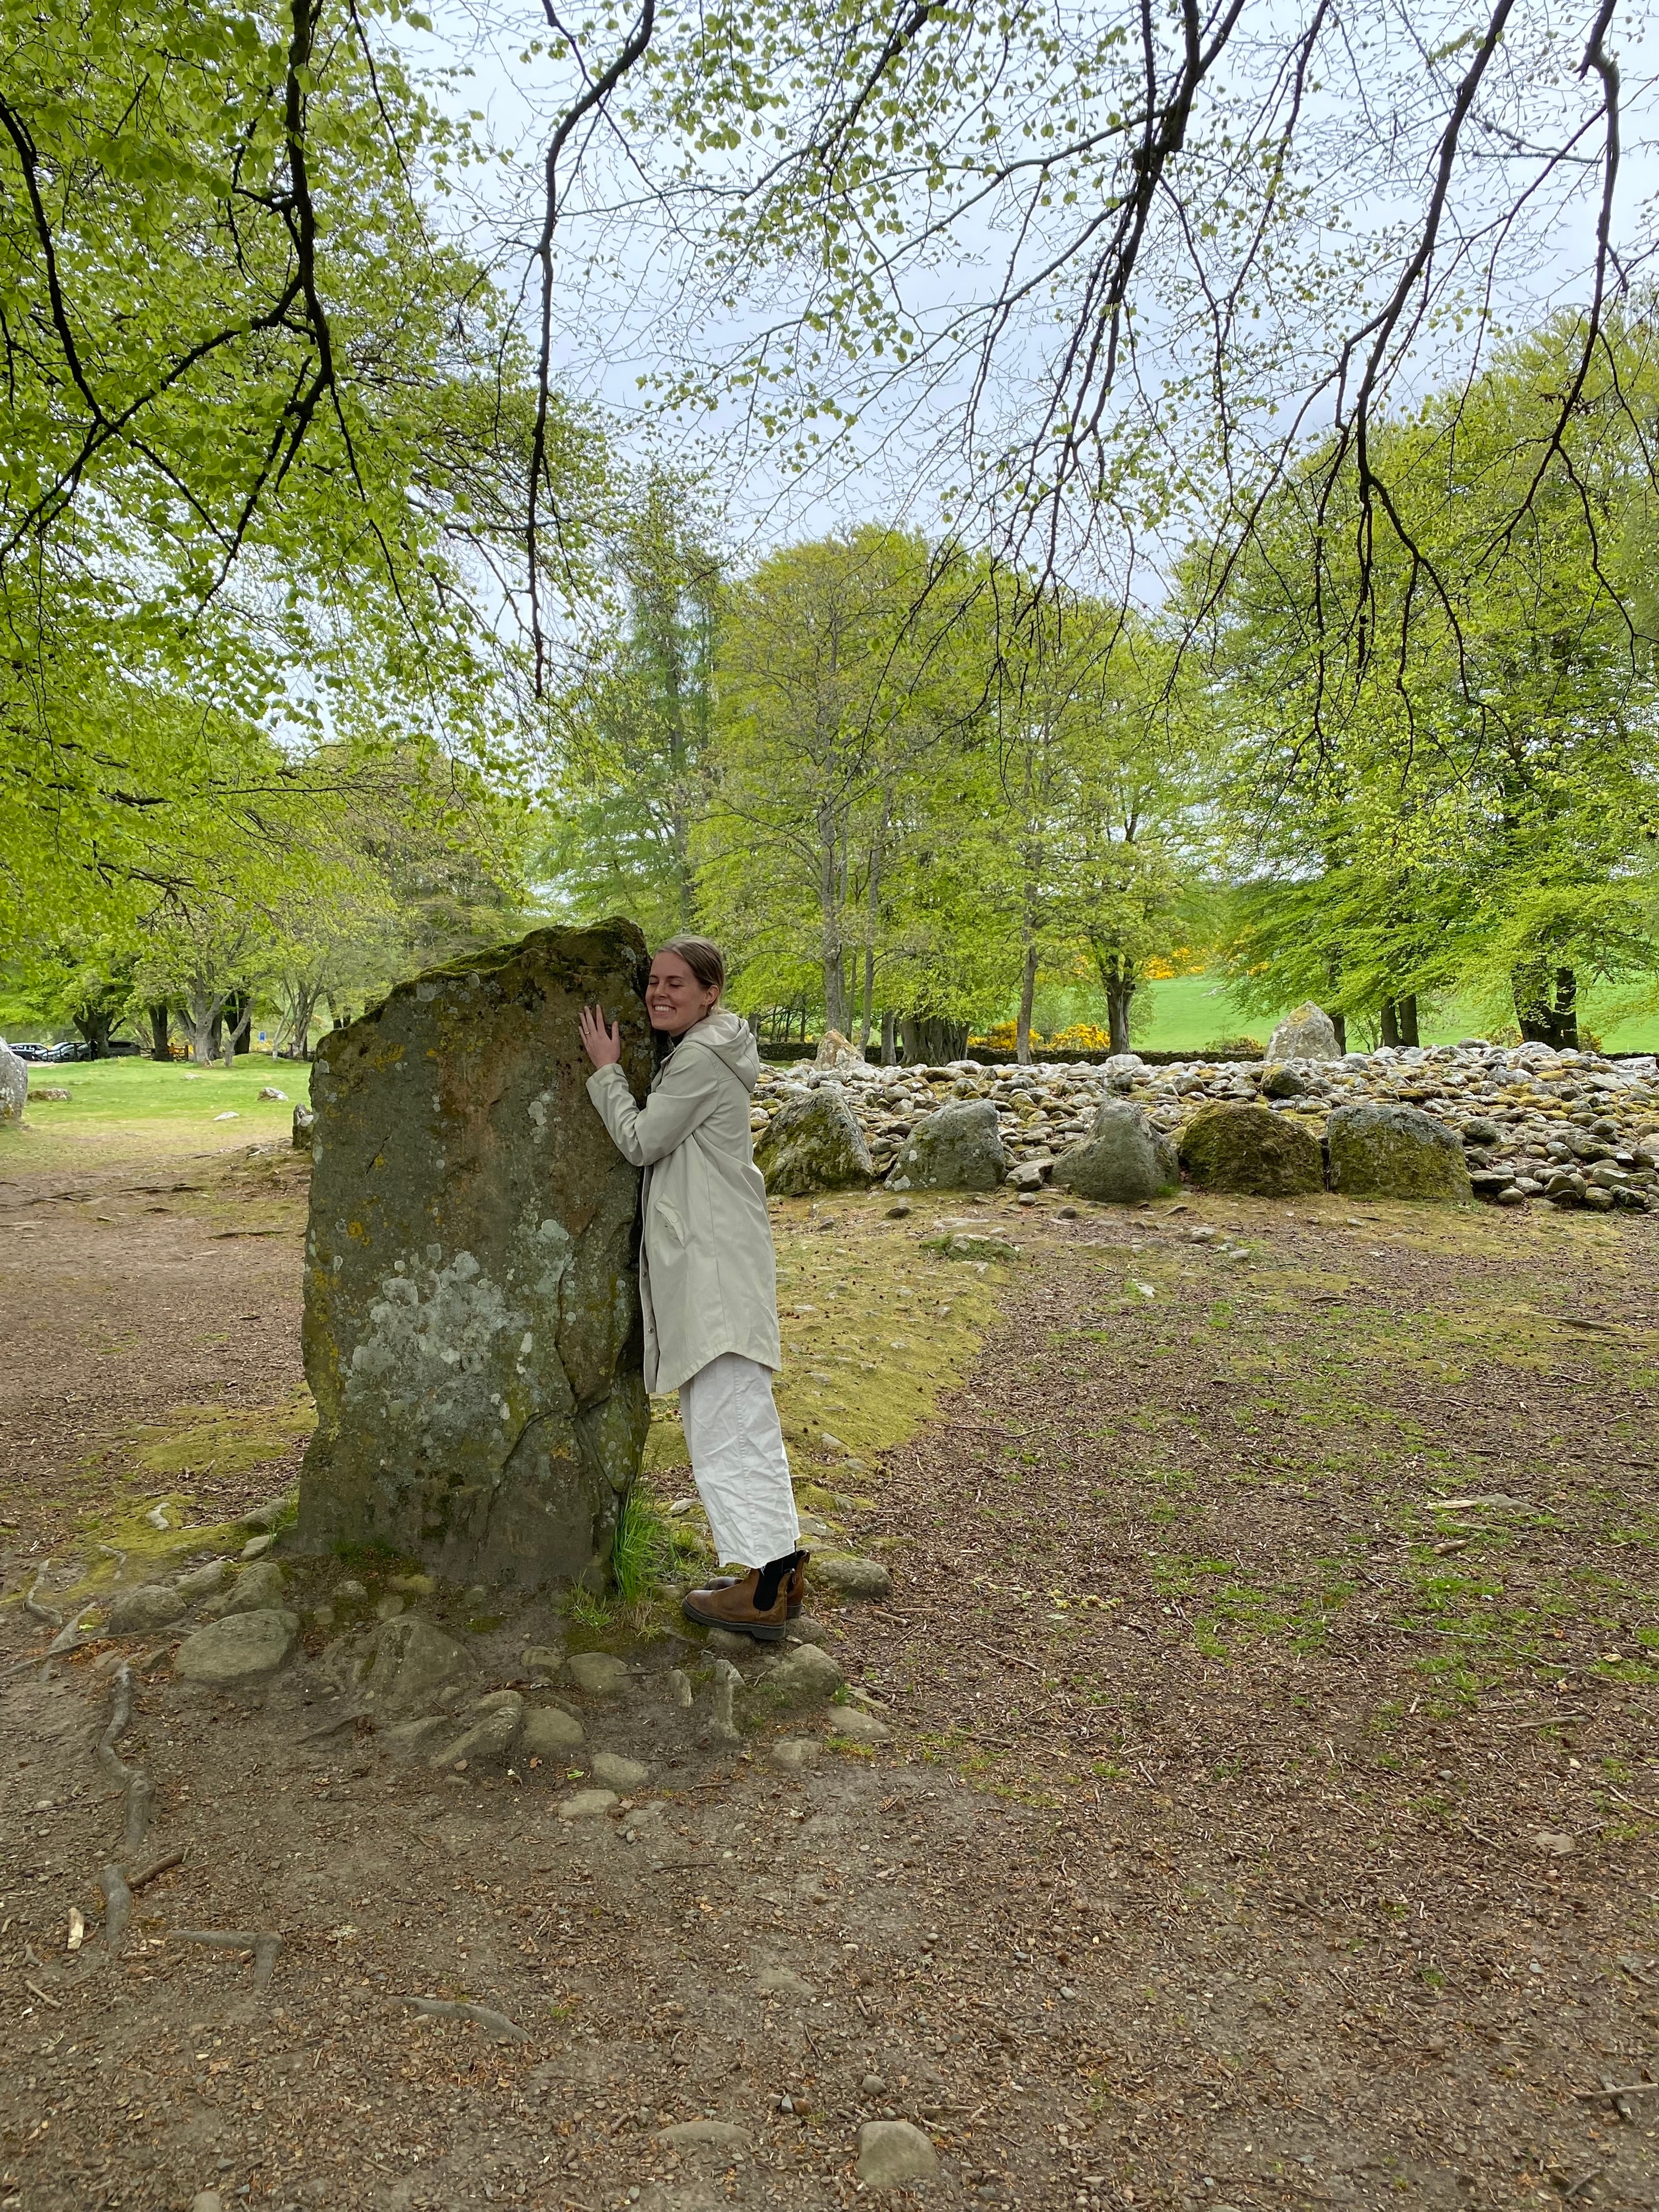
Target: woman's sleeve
(687,1095)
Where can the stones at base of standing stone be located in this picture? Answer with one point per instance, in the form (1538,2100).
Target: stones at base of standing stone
(471,1326)
(814,1143)
(304,1122)
(1251,1150)
(410,1663)
(808,1676)
(612,1771)
(845,1575)
(202,1582)
(894,2154)
(795,1753)
(959,1147)
(256,1588)
(151,1605)
(1394,1152)
(243,1647)
(491,1729)
(1307,1033)
(1028,1177)
(586,1804)
(549,1732)
(600,1673)
(853,1721)
(1126,1160)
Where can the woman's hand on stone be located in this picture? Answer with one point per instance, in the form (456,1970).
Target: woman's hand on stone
(602,1043)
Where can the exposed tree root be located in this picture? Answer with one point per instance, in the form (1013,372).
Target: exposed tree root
(118,1906)
(263,1943)
(32,1607)
(132,1780)
(494,2023)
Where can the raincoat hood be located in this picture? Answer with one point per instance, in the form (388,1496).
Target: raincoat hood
(727,1035)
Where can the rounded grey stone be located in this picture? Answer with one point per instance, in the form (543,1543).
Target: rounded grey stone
(601,1673)
(549,1732)
(892,2154)
(240,1648)
(256,1588)
(152,1605)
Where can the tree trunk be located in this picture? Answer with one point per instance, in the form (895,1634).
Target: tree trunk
(93,1024)
(159,1044)
(888,1041)
(239,1014)
(867,1013)
(1119,981)
(1028,976)
(1408,1020)
(1555,1026)
(1388,1023)
(1339,1023)
(203,1010)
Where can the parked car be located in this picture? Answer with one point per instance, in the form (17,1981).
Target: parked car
(26,1051)
(71,1049)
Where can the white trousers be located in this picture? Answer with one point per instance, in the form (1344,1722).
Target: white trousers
(738,1462)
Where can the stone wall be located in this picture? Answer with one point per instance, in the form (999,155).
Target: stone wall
(472,1317)
(1573,1126)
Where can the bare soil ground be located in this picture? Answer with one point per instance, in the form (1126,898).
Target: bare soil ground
(1268,1820)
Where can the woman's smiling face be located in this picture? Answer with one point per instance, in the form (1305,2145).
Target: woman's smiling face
(674,999)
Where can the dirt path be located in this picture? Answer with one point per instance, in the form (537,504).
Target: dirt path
(1254,1831)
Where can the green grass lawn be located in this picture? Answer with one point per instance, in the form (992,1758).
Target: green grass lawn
(172,1100)
(1191,1010)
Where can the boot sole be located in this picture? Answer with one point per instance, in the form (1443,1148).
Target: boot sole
(762,1632)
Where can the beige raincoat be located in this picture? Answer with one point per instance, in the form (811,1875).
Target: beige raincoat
(707,1276)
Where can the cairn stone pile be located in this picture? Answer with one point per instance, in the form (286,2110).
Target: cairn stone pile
(1530,1123)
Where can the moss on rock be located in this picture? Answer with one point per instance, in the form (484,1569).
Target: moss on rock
(1235,1146)
(472,1325)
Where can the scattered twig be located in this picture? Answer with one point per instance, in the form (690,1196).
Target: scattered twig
(1583,2183)
(35,1990)
(494,2023)
(1648,1812)
(1620,2089)
(1551,1720)
(263,1943)
(147,1875)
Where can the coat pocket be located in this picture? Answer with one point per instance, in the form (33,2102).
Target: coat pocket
(664,1218)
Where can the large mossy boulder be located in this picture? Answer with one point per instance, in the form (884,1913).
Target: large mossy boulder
(471,1328)
(1126,1160)
(814,1143)
(1394,1152)
(959,1148)
(1235,1146)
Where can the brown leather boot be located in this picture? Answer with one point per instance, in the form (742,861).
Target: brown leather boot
(731,1604)
(794,1588)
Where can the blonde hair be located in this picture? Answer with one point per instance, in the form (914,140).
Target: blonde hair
(701,956)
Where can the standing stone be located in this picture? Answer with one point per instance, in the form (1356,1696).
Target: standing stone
(13,1086)
(836,1050)
(814,1143)
(959,1148)
(1126,1160)
(1307,1034)
(1394,1152)
(471,1328)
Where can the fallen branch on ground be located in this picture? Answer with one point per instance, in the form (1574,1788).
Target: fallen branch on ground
(494,2023)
